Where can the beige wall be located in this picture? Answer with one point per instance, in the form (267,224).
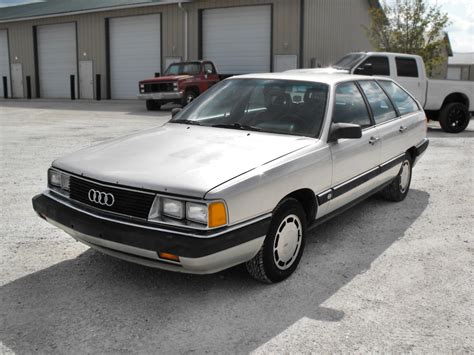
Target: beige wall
(332,28)
(91,38)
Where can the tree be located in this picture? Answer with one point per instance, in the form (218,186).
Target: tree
(409,26)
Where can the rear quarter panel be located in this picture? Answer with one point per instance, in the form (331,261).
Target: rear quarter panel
(438,90)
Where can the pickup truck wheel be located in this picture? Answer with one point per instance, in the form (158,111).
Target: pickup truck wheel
(189,97)
(454,117)
(152,105)
(283,246)
(398,189)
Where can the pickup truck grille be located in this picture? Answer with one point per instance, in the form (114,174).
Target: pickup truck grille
(158,87)
(127,202)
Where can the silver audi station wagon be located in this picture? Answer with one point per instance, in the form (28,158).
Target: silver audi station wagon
(242,174)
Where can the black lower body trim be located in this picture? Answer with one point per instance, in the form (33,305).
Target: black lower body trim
(351,184)
(422,147)
(347,206)
(146,238)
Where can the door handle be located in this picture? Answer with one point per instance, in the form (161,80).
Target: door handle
(402,129)
(373,140)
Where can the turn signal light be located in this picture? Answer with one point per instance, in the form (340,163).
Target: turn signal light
(169,256)
(217,215)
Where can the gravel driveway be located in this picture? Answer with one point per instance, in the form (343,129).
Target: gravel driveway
(380,277)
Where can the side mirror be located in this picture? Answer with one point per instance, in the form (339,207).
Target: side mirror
(344,130)
(365,69)
(175,111)
(157,75)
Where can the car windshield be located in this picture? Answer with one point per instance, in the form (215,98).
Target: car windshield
(349,61)
(267,105)
(183,68)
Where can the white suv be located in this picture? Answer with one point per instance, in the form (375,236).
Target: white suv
(241,174)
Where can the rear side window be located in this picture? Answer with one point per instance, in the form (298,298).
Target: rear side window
(380,104)
(406,67)
(376,65)
(400,98)
(350,106)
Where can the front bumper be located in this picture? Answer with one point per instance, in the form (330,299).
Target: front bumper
(175,95)
(140,243)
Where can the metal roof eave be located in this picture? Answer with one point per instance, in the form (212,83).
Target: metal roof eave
(99,9)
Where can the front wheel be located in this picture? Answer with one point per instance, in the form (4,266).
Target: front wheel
(454,117)
(399,187)
(283,246)
(189,97)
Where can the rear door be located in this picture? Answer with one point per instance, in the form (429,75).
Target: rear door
(355,161)
(409,74)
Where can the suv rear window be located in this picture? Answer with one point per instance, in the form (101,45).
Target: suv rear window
(406,67)
(400,98)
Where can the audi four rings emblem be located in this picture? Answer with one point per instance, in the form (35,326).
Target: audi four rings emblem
(101,198)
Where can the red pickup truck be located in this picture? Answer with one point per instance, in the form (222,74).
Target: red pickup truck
(181,84)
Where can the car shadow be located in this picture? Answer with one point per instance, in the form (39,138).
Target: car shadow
(95,303)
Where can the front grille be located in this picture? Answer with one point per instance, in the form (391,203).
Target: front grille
(158,87)
(127,202)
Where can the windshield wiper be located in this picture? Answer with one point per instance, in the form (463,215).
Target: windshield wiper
(237,126)
(191,122)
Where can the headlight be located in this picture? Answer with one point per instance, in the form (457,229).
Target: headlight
(142,86)
(188,213)
(58,180)
(196,212)
(175,86)
(173,208)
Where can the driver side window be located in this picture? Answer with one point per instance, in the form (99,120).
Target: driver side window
(350,106)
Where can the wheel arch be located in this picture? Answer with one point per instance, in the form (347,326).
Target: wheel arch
(456,97)
(307,198)
(192,88)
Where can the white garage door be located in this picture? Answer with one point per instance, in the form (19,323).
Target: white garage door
(454,73)
(238,39)
(57,59)
(134,53)
(4,62)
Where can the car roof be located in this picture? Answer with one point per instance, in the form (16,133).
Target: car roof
(325,78)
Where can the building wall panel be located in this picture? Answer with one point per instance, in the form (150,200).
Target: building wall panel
(334,28)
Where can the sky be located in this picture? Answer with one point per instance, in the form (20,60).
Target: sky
(461,14)
(461,30)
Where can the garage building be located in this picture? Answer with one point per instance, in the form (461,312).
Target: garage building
(101,49)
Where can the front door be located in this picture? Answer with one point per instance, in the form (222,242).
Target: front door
(354,161)
(86,80)
(17,81)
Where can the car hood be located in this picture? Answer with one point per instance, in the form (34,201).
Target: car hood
(178,158)
(165,79)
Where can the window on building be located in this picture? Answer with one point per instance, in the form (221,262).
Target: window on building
(400,98)
(406,67)
(350,106)
(380,104)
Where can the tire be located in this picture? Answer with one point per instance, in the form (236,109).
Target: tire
(283,246)
(152,105)
(189,97)
(399,187)
(454,117)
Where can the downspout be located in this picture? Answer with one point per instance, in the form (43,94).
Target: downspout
(180,5)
